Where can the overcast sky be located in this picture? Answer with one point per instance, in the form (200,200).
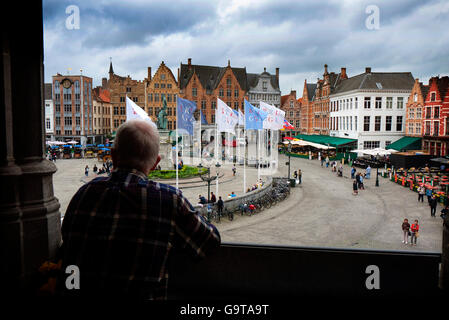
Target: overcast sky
(299,37)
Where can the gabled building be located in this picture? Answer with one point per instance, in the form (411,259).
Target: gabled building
(49,112)
(436,117)
(306,111)
(102,114)
(292,107)
(120,87)
(264,87)
(370,107)
(204,84)
(162,85)
(415,110)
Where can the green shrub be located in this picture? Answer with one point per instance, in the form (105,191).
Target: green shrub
(185,172)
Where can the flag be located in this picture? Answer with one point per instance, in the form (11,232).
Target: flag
(203,118)
(254,117)
(225,117)
(287,126)
(184,115)
(133,111)
(275,118)
(241,118)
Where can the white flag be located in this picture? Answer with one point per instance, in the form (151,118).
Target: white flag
(241,118)
(275,118)
(133,111)
(225,117)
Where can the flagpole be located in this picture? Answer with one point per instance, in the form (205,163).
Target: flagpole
(176,143)
(200,137)
(258,155)
(244,161)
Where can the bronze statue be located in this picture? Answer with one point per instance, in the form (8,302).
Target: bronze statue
(162,116)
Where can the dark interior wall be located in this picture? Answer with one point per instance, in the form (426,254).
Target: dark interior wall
(408,161)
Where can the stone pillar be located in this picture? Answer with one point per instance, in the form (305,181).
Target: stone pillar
(444,277)
(29,212)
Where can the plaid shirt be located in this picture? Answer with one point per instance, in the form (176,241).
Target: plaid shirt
(120,231)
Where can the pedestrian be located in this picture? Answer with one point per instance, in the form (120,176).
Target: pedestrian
(405,231)
(86,171)
(353,172)
(299,175)
(213,198)
(357,178)
(327,161)
(95,168)
(202,200)
(421,192)
(234,170)
(355,188)
(429,195)
(433,206)
(362,187)
(220,205)
(322,161)
(415,234)
(368,172)
(103,234)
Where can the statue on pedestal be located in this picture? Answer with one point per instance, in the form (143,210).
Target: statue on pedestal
(162,116)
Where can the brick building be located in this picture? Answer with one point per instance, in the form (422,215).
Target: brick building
(102,114)
(320,107)
(204,84)
(415,110)
(436,117)
(292,107)
(306,111)
(120,87)
(162,84)
(73,113)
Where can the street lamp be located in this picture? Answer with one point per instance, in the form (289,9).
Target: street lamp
(289,152)
(377,172)
(208,179)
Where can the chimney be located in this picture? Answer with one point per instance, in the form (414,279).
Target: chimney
(264,69)
(229,63)
(277,74)
(343,73)
(368,70)
(149,73)
(293,93)
(189,63)
(178,75)
(325,69)
(104,83)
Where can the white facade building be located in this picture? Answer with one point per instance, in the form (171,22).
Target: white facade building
(370,107)
(49,114)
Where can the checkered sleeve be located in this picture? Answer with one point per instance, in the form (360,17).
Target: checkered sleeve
(192,232)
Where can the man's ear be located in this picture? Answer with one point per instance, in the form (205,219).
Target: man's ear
(156,163)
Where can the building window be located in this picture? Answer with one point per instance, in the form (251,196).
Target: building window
(122,110)
(115,110)
(415,97)
(371,144)
(387,143)
(399,123)
(433,96)
(156,97)
(214,105)
(291,114)
(122,99)
(168,85)
(156,85)
(150,111)
(411,113)
(163,76)
(228,82)
(236,93)
(228,92)
(367,102)
(162,85)
(213,119)
(411,127)
(221,92)
(150,97)
(264,86)
(389,103)
(436,112)
(194,92)
(400,102)
(366,123)
(418,113)
(168,97)
(418,128)
(128,89)
(236,105)
(378,103)
(427,133)
(447,126)
(436,128)
(47,123)
(297,123)
(388,123)
(203,105)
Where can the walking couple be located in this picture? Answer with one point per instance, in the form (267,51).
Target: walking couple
(410,231)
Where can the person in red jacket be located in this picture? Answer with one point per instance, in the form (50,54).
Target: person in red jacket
(414,228)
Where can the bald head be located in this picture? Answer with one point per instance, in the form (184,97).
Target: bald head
(136,146)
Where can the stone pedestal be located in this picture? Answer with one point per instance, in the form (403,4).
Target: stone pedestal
(165,150)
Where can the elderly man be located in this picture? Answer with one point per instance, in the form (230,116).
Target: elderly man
(121,230)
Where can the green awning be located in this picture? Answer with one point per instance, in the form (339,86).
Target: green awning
(406,143)
(322,139)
